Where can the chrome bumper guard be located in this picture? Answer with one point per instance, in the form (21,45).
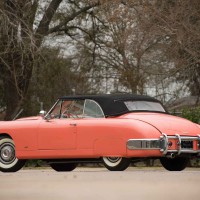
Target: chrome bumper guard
(185,144)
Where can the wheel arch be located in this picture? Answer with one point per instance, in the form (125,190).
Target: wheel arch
(5,135)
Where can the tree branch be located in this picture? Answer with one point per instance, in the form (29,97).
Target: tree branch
(73,16)
(43,27)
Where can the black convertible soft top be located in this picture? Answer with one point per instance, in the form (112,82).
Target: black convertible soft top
(112,104)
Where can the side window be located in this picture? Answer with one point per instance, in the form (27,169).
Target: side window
(72,109)
(92,109)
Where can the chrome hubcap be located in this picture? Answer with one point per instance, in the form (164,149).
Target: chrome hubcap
(7,151)
(113,159)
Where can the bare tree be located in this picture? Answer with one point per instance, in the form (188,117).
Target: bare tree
(153,42)
(22,33)
(179,21)
(136,44)
(124,49)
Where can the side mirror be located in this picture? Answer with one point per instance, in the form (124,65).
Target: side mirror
(42,113)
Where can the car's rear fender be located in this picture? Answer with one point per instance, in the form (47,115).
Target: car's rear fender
(113,140)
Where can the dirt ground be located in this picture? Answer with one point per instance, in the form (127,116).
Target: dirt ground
(100,184)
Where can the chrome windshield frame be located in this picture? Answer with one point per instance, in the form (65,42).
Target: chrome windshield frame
(46,116)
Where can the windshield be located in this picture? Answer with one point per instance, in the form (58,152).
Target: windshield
(144,106)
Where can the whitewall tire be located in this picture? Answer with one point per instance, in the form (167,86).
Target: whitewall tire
(8,160)
(116,163)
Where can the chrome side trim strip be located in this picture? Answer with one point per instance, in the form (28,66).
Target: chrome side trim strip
(143,144)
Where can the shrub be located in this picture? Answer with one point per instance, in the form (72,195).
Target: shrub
(193,114)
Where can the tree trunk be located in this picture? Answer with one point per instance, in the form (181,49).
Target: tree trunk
(16,87)
(12,98)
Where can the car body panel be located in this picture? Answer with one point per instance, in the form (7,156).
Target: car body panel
(57,134)
(166,123)
(24,133)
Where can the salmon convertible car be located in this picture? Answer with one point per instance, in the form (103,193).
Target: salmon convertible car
(113,129)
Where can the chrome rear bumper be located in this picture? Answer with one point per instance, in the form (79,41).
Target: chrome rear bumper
(176,144)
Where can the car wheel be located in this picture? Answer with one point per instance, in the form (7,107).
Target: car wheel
(174,164)
(8,160)
(63,167)
(116,163)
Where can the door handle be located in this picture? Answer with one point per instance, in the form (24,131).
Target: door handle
(73,124)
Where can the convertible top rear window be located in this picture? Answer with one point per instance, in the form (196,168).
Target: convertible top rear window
(144,106)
